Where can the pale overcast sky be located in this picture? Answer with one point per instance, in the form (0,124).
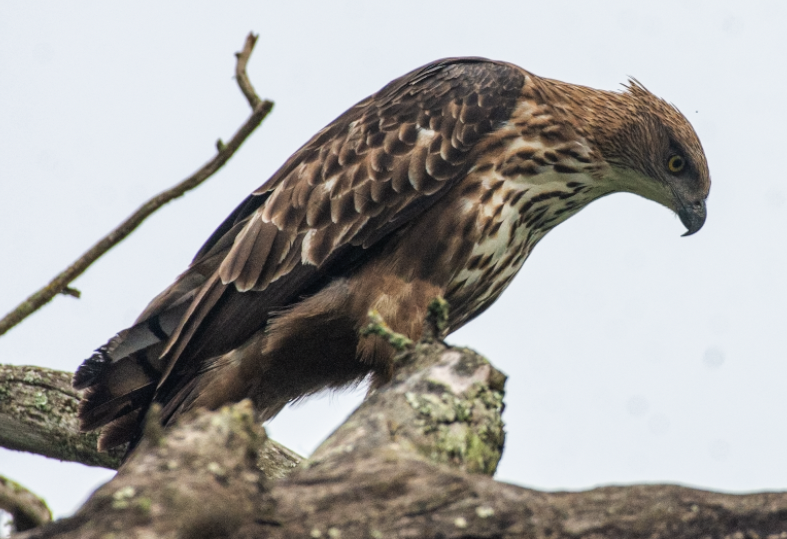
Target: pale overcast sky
(633,355)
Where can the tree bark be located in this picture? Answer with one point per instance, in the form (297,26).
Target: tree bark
(38,414)
(27,510)
(38,410)
(412,461)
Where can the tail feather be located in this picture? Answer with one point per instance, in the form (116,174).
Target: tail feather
(116,386)
(151,331)
(90,369)
(129,342)
(97,409)
(121,430)
(124,376)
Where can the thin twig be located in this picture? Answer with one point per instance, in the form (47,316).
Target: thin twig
(240,71)
(73,292)
(260,110)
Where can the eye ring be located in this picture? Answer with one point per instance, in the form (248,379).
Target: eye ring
(676,163)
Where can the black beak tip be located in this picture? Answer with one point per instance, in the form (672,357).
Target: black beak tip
(693,217)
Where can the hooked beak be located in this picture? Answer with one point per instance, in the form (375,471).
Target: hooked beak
(692,215)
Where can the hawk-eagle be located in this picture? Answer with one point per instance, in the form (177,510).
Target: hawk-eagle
(440,184)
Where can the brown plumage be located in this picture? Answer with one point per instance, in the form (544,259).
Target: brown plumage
(440,184)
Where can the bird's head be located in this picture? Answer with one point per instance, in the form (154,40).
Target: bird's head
(653,151)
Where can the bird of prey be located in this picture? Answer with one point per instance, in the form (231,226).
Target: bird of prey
(439,184)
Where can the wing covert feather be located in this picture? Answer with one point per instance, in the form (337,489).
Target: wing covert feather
(373,169)
(424,123)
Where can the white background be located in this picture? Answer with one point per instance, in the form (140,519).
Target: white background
(633,355)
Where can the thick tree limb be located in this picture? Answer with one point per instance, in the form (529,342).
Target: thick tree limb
(201,480)
(381,497)
(59,284)
(38,414)
(28,510)
(444,405)
(388,472)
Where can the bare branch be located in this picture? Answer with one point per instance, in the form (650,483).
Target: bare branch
(58,284)
(240,72)
(73,292)
(27,509)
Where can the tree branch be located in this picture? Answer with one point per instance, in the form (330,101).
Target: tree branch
(28,510)
(243,80)
(38,410)
(375,477)
(443,406)
(260,110)
(412,461)
(38,414)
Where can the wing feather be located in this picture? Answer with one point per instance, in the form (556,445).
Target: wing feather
(367,174)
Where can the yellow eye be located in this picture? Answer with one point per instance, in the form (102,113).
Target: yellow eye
(676,163)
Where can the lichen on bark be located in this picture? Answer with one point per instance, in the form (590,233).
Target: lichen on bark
(372,478)
(38,414)
(461,423)
(444,405)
